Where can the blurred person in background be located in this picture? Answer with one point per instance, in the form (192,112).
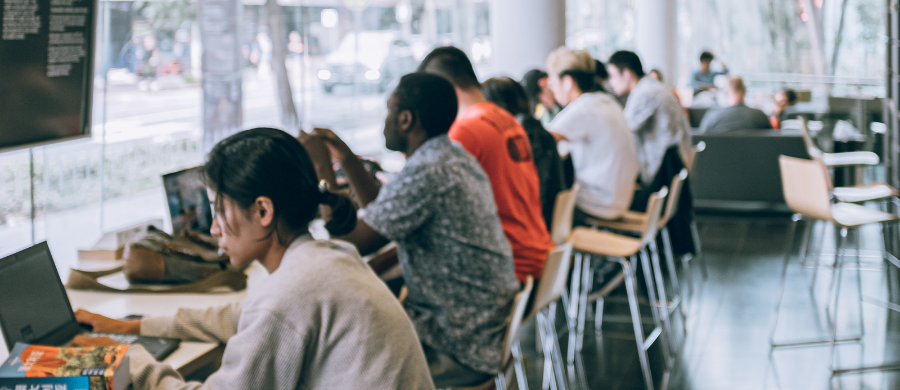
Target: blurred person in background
(509,95)
(785,100)
(603,148)
(704,78)
(737,116)
(540,97)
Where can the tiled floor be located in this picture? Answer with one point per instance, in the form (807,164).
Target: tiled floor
(726,345)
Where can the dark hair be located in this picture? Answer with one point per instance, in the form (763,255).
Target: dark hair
(506,93)
(269,162)
(624,59)
(658,74)
(530,84)
(600,70)
(706,56)
(584,80)
(431,99)
(791,96)
(452,64)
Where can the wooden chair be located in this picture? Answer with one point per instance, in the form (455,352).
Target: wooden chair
(806,191)
(635,222)
(543,311)
(625,251)
(563,211)
(520,303)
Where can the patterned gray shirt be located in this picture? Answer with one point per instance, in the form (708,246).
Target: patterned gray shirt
(658,122)
(454,256)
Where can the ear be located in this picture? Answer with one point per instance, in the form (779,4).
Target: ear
(405,120)
(264,211)
(567,83)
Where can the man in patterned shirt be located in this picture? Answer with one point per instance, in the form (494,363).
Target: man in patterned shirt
(455,259)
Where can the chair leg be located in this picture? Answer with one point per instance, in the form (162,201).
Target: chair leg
(598,319)
(773,324)
(859,289)
(833,317)
(663,298)
(521,379)
(556,356)
(636,321)
(676,285)
(654,306)
(699,252)
(587,283)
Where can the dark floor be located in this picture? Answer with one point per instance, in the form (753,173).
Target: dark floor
(730,315)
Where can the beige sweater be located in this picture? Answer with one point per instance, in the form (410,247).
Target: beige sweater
(323,320)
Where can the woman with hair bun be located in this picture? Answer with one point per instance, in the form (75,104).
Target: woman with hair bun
(321,320)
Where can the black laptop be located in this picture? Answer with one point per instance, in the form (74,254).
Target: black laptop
(35,309)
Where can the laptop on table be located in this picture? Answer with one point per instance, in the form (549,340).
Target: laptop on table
(35,309)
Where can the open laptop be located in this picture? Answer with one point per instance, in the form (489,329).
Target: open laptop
(35,309)
(187,201)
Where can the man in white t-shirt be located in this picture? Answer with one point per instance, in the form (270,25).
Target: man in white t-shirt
(603,148)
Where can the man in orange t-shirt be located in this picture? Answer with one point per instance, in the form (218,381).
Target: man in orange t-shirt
(500,144)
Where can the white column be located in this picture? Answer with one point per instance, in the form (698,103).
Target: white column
(524,32)
(656,36)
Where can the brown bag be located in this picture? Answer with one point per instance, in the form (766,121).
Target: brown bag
(156,257)
(188,262)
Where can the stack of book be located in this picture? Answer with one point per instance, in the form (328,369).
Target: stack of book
(65,368)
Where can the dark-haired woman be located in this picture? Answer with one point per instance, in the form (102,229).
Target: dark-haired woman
(321,320)
(509,95)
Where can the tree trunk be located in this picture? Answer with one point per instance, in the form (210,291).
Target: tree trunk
(838,37)
(816,36)
(289,119)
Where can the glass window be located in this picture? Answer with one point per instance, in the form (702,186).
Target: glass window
(148,108)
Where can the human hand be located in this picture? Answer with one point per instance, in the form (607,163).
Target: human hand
(337,146)
(317,148)
(106,324)
(87,341)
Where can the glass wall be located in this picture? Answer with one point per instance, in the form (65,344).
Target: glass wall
(340,57)
(766,41)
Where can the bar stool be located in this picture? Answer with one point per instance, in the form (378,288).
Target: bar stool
(515,321)
(625,251)
(543,309)
(859,160)
(854,194)
(806,193)
(635,222)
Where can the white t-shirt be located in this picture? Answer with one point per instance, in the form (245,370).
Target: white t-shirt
(603,152)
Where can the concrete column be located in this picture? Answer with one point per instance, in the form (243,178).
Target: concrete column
(524,32)
(656,36)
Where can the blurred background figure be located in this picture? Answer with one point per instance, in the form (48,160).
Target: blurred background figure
(785,100)
(510,95)
(539,95)
(737,116)
(704,78)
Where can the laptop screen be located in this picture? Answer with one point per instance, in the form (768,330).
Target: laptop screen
(33,302)
(187,201)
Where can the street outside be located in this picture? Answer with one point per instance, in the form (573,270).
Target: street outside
(146,115)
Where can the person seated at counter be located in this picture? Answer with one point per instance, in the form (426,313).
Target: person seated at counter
(509,95)
(603,148)
(501,146)
(439,209)
(785,102)
(737,116)
(321,320)
(539,95)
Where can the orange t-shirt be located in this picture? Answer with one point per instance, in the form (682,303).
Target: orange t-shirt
(501,145)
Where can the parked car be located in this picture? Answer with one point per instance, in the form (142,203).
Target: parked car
(381,59)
